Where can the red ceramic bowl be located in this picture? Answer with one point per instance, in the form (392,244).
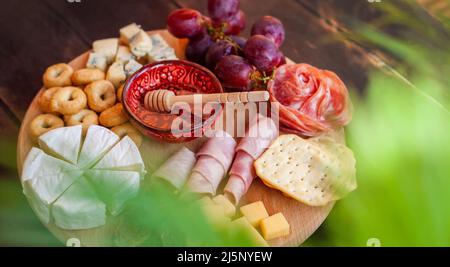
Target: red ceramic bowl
(181,77)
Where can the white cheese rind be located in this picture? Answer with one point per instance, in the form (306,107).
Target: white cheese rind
(115,188)
(79,208)
(107,48)
(124,156)
(99,140)
(97,61)
(63,143)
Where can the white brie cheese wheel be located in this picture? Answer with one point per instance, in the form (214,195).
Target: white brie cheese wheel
(115,188)
(63,143)
(73,181)
(79,208)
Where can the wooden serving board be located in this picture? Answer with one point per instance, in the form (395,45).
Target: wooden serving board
(303,219)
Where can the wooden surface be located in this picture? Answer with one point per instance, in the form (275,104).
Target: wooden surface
(303,219)
(36,34)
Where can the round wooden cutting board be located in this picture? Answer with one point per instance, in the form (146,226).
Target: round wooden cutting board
(303,219)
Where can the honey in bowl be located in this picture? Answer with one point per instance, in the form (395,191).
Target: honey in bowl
(180,77)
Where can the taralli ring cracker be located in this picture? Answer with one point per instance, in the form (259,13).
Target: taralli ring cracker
(100,95)
(87,76)
(128,129)
(44,123)
(68,100)
(85,117)
(113,116)
(316,171)
(57,75)
(45,99)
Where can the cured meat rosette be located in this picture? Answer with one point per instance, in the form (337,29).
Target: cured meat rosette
(311,100)
(260,135)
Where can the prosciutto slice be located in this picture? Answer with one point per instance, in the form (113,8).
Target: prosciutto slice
(311,100)
(177,168)
(213,161)
(260,135)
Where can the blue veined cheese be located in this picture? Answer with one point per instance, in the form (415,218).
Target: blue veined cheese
(107,48)
(124,54)
(131,67)
(128,32)
(97,61)
(161,50)
(141,44)
(116,74)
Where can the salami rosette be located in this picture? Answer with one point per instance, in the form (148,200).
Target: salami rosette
(311,100)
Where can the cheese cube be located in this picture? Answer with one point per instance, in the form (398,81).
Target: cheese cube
(116,74)
(124,54)
(242,224)
(131,67)
(254,212)
(128,32)
(161,50)
(141,44)
(228,207)
(206,201)
(274,226)
(97,61)
(107,48)
(215,214)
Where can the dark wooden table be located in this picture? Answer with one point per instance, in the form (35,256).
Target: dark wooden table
(36,34)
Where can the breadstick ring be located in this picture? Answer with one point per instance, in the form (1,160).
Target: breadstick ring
(58,75)
(45,99)
(101,95)
(128,129)
(113,116)
(44,123)
(68,100)
(85,117)
(120,93)
(87,76)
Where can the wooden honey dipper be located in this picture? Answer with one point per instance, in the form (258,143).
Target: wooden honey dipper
(163,100)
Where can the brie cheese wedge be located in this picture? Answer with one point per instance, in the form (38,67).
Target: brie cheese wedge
(63,143)
(124,156)
(115,188)
(98,141)
(79,208)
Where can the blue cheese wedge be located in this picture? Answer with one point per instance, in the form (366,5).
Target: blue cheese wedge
(128,32)
(107,48)
(141,44)
(124,54)
(131,67)
(97,61)
(116,74)
(161,50)
(79,208)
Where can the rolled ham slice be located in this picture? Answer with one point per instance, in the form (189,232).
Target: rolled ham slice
(260,135)
(213,161)
(177,168)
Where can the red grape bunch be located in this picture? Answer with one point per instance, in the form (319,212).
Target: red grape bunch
(214,41)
